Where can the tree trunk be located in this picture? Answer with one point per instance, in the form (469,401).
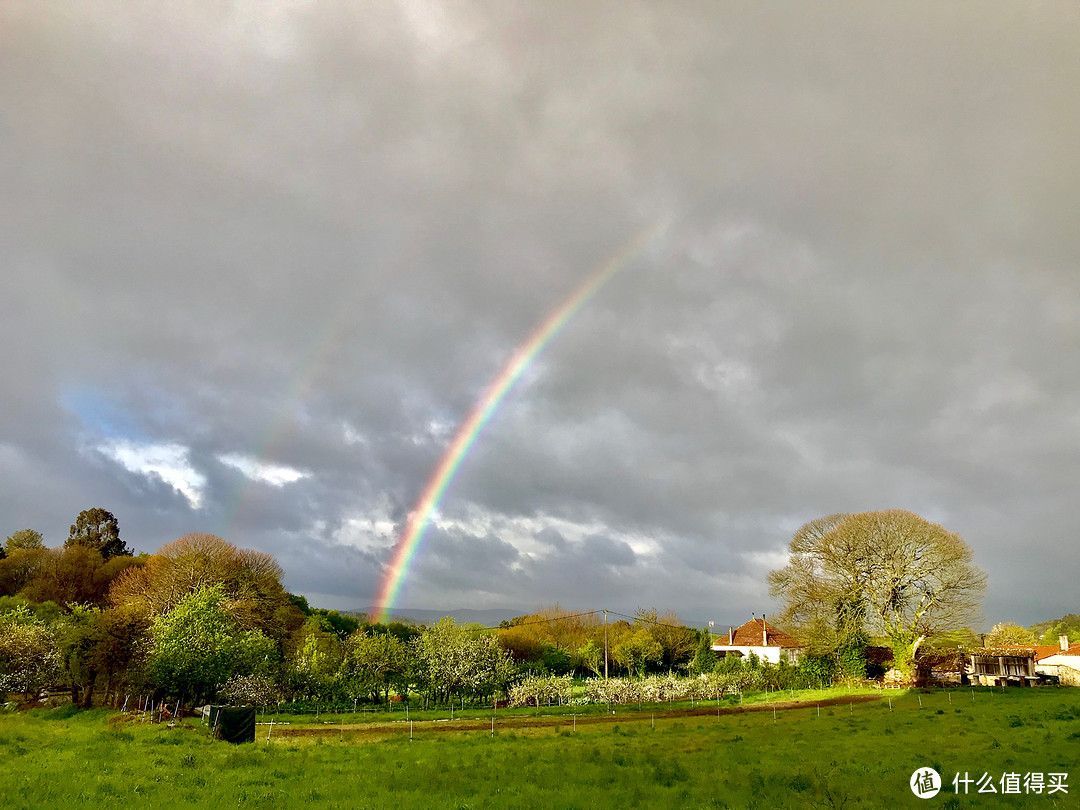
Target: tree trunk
(904,646)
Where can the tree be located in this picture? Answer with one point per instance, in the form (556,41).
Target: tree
(677,641)
(29,659)
(122,645)
(820,587)
(462,659)
(21,567)
(24,539)
(251,690)
(250,580)
(551,638)
(317,656)
(1049,632)
(704,657)
(592,656)
(197,646)
(638,651)
(1005,634)
(374,663)
(98,529)
(892,573)
(74,575)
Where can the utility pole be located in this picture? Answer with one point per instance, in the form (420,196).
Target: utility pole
(605,644)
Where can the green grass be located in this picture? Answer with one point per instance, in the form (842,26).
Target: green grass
(850,756)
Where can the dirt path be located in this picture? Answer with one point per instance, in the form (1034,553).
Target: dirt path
(512,723)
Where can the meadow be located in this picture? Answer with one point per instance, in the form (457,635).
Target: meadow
(846,754)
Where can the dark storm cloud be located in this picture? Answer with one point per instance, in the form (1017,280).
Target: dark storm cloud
(309,235)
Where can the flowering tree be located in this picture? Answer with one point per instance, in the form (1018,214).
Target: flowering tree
(461,660)
(251,690)
(29,659)
(533,691)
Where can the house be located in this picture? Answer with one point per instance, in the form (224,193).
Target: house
(1062,661)
(760,638)
(998,666)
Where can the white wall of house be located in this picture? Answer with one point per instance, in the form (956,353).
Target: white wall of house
(1066,667)
(771,654)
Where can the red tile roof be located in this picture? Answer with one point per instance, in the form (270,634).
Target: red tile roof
(750,635)
(1046,650)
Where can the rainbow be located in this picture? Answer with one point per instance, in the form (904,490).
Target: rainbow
(420,517)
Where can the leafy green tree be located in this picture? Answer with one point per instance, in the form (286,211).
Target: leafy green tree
(704,658)
(122,646)
(592,656)
(98,529)
(250,580)
(636,652)
(373,664)
(341,623)
(47,613)
(815,670)
(77,640)
(678,642)
(24,539)
(850,658)
(197,646)
(316,658)
(1051,631)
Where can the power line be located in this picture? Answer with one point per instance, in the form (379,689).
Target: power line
(643,620)
(546,621)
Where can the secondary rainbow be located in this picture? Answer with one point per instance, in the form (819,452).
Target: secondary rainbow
(485,407)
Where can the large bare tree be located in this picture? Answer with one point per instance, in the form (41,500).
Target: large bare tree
(891,573)
(250,581)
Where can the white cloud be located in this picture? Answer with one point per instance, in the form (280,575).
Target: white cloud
(169,462)
(276,475)
(521,532)
(351,435)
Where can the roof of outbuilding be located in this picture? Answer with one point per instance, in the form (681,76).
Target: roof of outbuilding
(1015,652)
(750,635)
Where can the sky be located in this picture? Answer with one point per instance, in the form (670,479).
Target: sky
(260,260)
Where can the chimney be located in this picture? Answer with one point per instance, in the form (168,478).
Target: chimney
(764,632)
(1063,642)
(730,636)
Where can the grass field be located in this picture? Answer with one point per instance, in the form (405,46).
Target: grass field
(849,755)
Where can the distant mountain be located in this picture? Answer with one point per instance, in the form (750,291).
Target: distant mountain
(488,618)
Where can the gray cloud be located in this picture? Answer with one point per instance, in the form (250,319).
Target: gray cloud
(312,234)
